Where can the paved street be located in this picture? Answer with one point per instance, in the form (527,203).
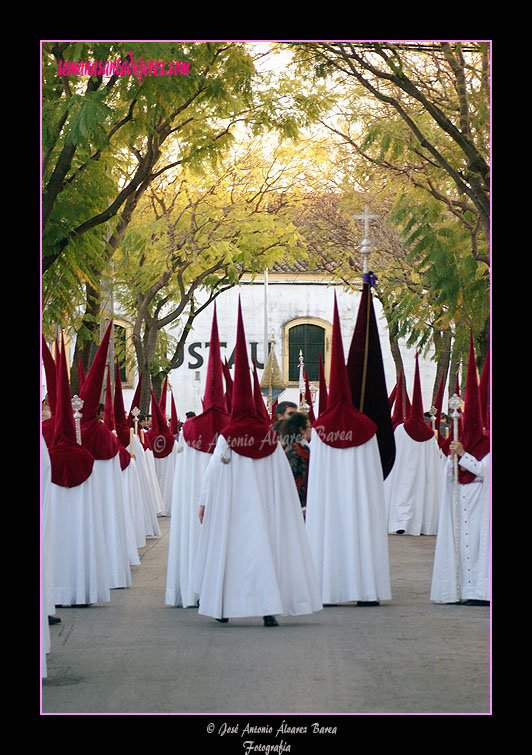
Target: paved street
(135,655)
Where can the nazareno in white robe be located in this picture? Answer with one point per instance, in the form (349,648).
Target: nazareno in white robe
(150,493)
(132,495)
(108,476)
(149,458)
(165,471)
(345,522)
(474,536)
(185,526)
(253,557)
(81,573)
(47,566)
(413,487)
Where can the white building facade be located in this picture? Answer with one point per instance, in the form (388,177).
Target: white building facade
(294,312)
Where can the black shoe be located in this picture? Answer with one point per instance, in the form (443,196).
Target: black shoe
(54,620)
(399,532)
(368,603)
(270,621)
(476,603)
(222,621)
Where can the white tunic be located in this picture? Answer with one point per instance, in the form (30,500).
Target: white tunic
(150,493)
(346,522)
(149,458)
(474,536)
(185,526)
(132,494)
(47,565)
(413,487)
(165,470)
(253,556)
(108,476)
(81,573)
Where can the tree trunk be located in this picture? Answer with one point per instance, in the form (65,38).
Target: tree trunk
(145,350)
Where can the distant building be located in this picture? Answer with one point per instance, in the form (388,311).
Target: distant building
(300,309)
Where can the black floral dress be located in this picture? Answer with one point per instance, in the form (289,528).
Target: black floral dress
(298,456)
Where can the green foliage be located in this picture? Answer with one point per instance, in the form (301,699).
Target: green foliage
(446,287)
(100,131)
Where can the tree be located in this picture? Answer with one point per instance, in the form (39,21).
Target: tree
(106,138)
(200,234)
(415,119)
(430,120)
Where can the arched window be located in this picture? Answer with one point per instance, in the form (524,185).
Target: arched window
(311,336)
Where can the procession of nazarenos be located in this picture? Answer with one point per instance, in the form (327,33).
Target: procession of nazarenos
(280,426)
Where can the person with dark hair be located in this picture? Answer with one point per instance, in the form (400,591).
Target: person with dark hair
(294,433)
(284,410)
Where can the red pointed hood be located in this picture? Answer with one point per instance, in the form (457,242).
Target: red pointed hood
(92,387)
(323,397)
(160,438)
(473,438)
(174,419)
(110,423)
(108,414)
(341,425)
(228,385)
(164,393)
(247,433)
(438,403)
(135,403)
(401,408)
(415,425)
(71,463)
(47,425)
(201,432)
(97,438)
(484,390)
(121,424)
(50,374)
(214,387)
